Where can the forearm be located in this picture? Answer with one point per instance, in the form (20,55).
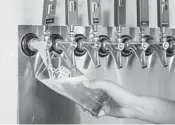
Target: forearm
(153,109)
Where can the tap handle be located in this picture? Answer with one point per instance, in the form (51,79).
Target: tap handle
(94,12)
(71,12)
(120,13)
(142,13)
(49,12)
(163,13)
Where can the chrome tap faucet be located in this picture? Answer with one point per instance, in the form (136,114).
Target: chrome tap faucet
(114,49)
(141,48)
(163,22)
(91,45)
(68,47)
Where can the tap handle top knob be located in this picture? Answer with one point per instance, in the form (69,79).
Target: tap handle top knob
(25,44)
(143,13)
(120,13)
(71,7)
(49,12)
(163,13)
(94,12)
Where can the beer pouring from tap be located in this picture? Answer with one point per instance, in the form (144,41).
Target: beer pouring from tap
(31,44)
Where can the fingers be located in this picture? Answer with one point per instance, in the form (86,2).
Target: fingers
(111,109)
(97,84)
(105,110)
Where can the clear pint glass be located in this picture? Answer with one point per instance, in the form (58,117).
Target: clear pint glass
(67,80)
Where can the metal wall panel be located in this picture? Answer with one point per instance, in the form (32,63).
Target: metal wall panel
(156,82)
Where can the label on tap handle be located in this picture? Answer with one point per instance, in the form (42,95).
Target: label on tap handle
(49,11)
(94,9)
(142,13)
(71,12)
(163,13)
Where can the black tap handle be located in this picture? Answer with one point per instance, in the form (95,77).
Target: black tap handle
(163,13)
(142,13)
(71,7)
(49,12)
(120,13)
(94,12)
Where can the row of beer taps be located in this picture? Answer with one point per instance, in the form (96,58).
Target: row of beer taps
(100,45)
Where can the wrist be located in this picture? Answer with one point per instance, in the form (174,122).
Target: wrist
(130,110)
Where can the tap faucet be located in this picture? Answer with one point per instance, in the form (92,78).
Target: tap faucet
(114,49)
(163,22)
(142,23)
(68,47)
(141,48)
(31,44)
(48,19)
(90,45)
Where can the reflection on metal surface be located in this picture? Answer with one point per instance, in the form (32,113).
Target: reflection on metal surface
(142,44)
(38,104)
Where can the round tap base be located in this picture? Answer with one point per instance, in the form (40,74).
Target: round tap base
(102,51)
(170,51)
(149,50)
(78,51)
(25,44)
(54,38)
(126,52)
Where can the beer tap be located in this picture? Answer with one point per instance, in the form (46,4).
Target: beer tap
(114,49)
(91,45)
(31,44)
(29,40)
(163,22)
(141,48)
(59,44)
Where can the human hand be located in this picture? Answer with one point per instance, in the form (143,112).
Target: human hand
(121,104)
